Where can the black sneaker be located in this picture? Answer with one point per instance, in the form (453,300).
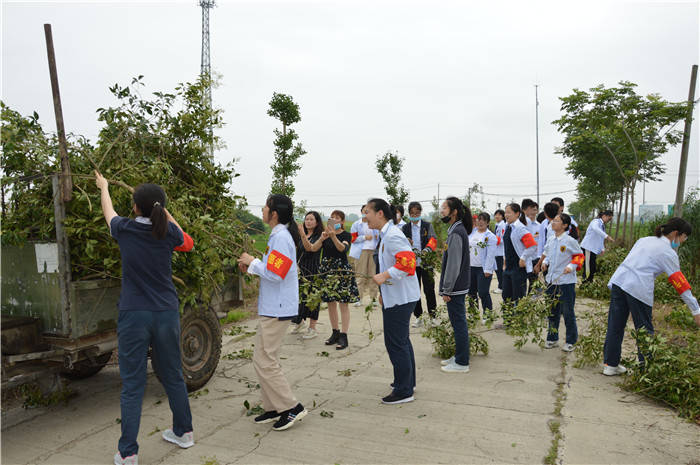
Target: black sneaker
(289,417)
(394,399)
(267,417)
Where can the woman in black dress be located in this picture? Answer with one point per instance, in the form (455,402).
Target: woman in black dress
(337,272)
(308,261)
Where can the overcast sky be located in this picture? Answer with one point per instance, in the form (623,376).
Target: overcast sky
(448,85)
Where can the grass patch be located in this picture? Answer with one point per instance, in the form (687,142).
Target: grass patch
(234,316)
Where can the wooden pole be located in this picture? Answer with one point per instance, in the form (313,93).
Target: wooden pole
(680,188)
(66,180)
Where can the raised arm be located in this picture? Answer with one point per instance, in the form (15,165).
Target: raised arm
(105,199)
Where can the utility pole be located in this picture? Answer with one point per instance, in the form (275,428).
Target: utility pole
(680,189)
(537,142)
(206,58)
(66,179)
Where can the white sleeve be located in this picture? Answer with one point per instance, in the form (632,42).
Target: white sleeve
(691,302)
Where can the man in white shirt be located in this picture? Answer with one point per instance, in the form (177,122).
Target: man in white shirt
(366,238)
(530,208)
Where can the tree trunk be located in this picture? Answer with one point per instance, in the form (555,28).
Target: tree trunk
(624,222)
(619,215)
(633,233)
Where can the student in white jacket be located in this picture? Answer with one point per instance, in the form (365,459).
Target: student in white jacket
(632,287)
(482,262)
(278,302)
(500,229)
(562,257)
(593,243)
(399,292)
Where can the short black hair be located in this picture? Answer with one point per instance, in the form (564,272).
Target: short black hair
(527,203)
(558,200)
(413,205)
(362,207)
(399,208)
(540,217)
(500,212)
(605,213)
(551,210)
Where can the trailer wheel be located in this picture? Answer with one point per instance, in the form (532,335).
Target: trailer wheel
(200,339)
(86,368)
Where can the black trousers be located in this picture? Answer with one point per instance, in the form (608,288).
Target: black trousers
(428,284)
(499,271)
(589,266)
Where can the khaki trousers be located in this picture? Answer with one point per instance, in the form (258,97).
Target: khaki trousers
(364,271)
(276,392)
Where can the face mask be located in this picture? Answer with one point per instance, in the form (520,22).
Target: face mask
(415,218)
(336,226)
(675,244)
(364,216)
(445,219)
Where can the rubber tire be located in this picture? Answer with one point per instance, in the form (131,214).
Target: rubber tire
(85,368)
(200,342)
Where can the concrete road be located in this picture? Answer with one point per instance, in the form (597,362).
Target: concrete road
(503,411)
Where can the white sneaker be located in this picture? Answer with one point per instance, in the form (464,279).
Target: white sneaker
(310,334)
(550,344)
(358,304)
(418,323)
(613,371)
(434,322)
(130,460)
(448,361)
(185,441)
(568,348)
(497,291)
(483,321)
(455,368)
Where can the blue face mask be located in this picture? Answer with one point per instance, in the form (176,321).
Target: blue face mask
(336,226)
(364,216)
(415,218)
(675,244)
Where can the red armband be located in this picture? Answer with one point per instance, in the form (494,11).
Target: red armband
(406,261)
(353,237)
(498,240)
(187,244)
(279,263)
(432,244)
(578,260)
(679,283)
(528,241)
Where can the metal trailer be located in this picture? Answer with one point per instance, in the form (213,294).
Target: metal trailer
(52,324)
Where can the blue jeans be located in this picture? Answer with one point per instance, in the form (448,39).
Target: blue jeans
(499,271)
(457,312)
(398,346)
(621,305)
(137,330)
(479,289)
(566,298)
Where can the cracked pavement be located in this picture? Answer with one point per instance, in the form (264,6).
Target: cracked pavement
(498,412)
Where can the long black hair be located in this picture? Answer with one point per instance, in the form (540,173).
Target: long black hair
(151,200)
(516,209)
(464,213)
(285,214)
(566,220)
(381,205)
(319,223)
(674,224)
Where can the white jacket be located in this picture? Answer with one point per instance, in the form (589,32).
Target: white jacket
(402,288)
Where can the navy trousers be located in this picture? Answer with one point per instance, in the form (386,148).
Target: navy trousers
(398,346)
(514,289)
(499,271)
(566,298)
(136,331)
(621,305)
(479,289)
(457,311)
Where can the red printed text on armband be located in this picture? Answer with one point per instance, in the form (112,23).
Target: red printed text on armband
(279,263)
(406,261)
(528,241)
(679,283)
(432,244)
(578,260)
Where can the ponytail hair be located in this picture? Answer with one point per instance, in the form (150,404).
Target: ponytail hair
(285,214)
(151,201)
(381,205)
(464,214)
(566,220)
(521,214)
(674,224)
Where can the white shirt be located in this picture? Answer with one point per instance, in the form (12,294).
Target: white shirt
(483,255)
(649,257)
(558,254)
(415,237)
(475,250)
(400,224)
(594,240)
(278,296)
(534,228)
(500,231)
(401,288)
(356,246)
(365,230)
(526,254)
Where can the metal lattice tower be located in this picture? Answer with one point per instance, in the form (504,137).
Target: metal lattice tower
(206,59)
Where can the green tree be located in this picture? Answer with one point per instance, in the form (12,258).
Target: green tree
(389,167)
(613,139)
(287,153)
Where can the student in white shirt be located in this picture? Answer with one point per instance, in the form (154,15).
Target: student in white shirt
(632,287)
(356,247)
(562,257)
(278,302)
(399,216)
(550,211)
(530,208)
(593,243)
(399,293)
(482,261)
(500,229)
(366,238)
